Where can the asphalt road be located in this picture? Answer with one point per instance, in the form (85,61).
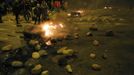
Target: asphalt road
(118,48)
(10,33)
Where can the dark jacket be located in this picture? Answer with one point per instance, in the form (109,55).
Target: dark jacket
(17,8)
(38,11)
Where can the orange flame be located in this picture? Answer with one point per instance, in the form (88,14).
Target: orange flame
(50,29)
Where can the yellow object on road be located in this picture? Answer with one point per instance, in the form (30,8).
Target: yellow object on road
(69,68)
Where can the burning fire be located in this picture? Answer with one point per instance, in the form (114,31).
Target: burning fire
(50,29)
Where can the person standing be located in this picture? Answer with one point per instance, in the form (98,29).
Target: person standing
(49,3)
(37,13)
(44,11)
(26,10)
(16,11)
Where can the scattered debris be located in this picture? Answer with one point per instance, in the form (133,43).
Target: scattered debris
(65,51)
(17,63)
(37,69)
(35,55)
(7,48)
(43,52)
(63,48)
(37,47)
(33,42)
(96,42)
(92,55)
(96,67)
(76,37)
(46,72)
(31,62)
(89,34)
(68,52)
(69,68)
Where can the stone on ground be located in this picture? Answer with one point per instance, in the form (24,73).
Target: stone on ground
(31,62)
(35,55)
(37,69)
(89,34)
(33,42)
(69,68)
(17,63)
(96,42)
(92,55)
(7,48)
(96,67)
(46,72)
(43,52)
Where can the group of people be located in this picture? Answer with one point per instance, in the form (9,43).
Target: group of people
(36,10)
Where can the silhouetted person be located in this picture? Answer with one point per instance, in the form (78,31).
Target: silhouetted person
(37,13)
(49,3)
(26,10)
(44,11)
(1,12)
(62,4)
(16,11)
